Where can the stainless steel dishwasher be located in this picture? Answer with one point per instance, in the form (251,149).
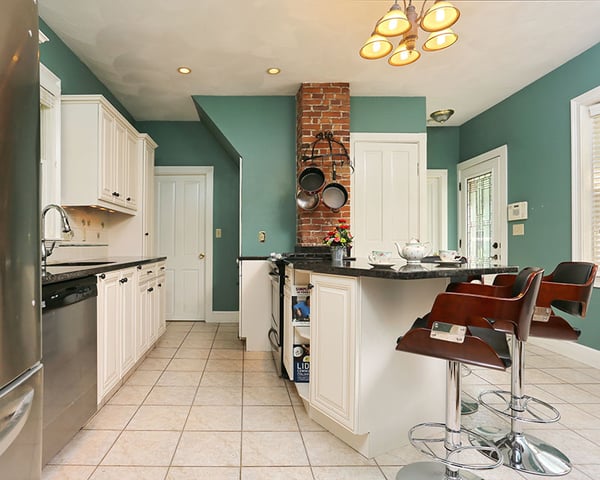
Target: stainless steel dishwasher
(69,356)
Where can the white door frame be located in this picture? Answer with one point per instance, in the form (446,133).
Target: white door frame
(208,259)
(420,139)
(499,154)
(437,189)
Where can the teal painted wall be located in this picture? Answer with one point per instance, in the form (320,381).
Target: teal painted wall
(191,144)
(76,78)
(535,125)
(443,153)
(387,114)
(263,131)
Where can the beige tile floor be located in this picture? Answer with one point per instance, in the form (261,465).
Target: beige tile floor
(200,408)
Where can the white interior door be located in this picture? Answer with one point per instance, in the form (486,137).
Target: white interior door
(482,192)
(389,191)
(184,226)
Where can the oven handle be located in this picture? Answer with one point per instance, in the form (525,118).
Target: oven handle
(274,344)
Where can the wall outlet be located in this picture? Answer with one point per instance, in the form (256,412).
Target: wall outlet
(518,229)
(262,236)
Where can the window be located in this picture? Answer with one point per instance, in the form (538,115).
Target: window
(585,177)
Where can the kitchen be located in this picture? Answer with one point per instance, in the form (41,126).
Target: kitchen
(271,120)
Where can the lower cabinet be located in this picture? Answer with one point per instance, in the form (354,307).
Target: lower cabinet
(131,317)
(333,347)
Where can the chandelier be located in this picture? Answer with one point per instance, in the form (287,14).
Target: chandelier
(437,21)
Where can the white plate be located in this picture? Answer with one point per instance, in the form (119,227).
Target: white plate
(382,264)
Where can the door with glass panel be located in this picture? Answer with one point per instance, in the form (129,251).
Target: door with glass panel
(482,207)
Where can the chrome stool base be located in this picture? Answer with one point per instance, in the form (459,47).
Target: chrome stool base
(429,439)
(432,471)
(529,454)
(530,409)
(467,407)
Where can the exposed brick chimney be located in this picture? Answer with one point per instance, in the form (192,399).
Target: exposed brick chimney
(322,107)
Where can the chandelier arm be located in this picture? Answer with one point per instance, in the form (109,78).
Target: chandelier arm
(422,10)
(404,6)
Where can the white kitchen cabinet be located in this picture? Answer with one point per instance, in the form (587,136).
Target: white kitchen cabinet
(134,235)
(333,347)
(151,305)
(109,333)
(127,294)
(255,301)
(99,155)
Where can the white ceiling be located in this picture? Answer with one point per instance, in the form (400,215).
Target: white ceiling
(135,47)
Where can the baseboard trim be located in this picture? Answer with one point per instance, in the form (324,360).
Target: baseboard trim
(223,317)
(576,351)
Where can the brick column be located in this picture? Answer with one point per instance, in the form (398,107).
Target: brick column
(322,107)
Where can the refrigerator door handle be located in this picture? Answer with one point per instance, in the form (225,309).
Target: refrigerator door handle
(13,417)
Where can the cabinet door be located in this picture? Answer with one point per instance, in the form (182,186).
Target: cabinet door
(109,332)
(162,303)
(142,334)
(333,347)
(127,293)
(107,189)
(148,205)
(131,170)
(120,163)
(152,305)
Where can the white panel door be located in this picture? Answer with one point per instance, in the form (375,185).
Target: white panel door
(389,195)
(181,206)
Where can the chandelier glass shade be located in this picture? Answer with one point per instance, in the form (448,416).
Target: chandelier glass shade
(436,20)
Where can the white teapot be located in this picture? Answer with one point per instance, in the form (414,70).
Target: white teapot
(413,251)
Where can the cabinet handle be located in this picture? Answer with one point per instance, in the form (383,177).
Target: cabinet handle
(146,234)
(116,194)
(149,271)
(151,289)
(102,276)
(139,267)
(123,280)
(162,268)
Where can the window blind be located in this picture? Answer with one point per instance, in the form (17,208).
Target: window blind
(595,160)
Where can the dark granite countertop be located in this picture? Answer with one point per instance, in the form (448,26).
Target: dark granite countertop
(60,272)
(401,271)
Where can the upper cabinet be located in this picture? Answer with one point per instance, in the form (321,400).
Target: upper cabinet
(100,155)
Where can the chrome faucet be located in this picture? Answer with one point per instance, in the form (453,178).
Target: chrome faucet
(66,228)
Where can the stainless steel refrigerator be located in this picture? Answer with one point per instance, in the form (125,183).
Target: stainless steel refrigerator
(20,319)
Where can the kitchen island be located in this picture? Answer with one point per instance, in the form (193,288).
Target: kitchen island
(360,388)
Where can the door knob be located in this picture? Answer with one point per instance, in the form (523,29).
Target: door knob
(201,256)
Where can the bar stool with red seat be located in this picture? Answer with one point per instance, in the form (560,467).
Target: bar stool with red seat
(457,330)
(568,288)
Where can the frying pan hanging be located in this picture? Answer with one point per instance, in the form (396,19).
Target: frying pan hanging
(311,180)
(334,195)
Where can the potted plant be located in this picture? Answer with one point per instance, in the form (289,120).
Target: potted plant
(339,239)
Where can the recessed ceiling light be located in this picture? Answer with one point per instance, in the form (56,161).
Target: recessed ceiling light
(184,70)
(273,71)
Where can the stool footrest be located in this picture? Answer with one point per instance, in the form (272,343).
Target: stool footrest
(530,410)
(429,439)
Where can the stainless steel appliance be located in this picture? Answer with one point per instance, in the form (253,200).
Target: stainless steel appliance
(69,342)
(20,319)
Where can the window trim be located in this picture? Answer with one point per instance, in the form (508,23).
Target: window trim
(581,234)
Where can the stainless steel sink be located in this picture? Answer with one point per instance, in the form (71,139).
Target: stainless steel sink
(80,263)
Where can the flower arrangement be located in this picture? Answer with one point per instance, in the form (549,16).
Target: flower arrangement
(339,236)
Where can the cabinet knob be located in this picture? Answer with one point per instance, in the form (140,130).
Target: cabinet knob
(129,199)
(123,280)
(160,284)
(116,194)
(151,289)
(102,276)
(146,234)
(139,267)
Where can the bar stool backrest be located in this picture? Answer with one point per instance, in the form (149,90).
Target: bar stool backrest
(527,281)
(575,273)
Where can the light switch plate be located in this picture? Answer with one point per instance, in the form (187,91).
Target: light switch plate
(262,236)
(518,229)
(218,233)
